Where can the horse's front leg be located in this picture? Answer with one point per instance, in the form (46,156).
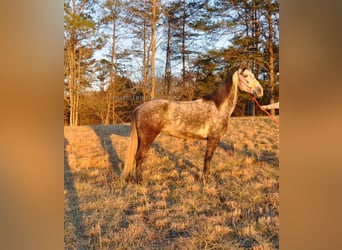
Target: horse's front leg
(212,143)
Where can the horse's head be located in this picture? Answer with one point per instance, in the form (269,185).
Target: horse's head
(248,83)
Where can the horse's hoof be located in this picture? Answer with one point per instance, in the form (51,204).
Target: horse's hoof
(138,180)
(204,178)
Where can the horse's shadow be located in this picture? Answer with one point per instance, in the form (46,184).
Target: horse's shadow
(269,157)
(192,168)
(227,147)
(188,165)
(104,132)
(262,156)
(72,196)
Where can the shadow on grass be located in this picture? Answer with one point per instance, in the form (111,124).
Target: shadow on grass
(263,156)
(75,214)
(231,150)
(269,157)
(188,165)
(104,132)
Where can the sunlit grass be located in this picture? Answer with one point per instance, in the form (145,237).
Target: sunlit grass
(237,208)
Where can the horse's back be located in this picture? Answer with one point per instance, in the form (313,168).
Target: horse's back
(189,119)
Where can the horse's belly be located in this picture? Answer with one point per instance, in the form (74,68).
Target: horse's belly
(187,132)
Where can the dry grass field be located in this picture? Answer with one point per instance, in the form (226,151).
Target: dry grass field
(238,208)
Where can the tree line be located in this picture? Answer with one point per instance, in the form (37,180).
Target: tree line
(119,53)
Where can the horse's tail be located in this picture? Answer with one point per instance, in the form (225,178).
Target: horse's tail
(130,164)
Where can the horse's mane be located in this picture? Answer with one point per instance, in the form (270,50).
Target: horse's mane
(220,94)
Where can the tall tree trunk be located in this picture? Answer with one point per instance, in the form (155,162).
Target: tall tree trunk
(183,46)
(246,107)
(72,80)
(78,86)
(255,47)
(271,52)
(145,61)
(167,77)
(113,71)
(153,47)
(109,97)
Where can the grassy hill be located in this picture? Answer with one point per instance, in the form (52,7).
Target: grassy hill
(237,208)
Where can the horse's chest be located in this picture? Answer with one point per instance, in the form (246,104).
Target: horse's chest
(218,126)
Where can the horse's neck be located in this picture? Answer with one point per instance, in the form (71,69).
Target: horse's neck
(231,101)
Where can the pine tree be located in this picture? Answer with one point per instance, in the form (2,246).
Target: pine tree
(79,26)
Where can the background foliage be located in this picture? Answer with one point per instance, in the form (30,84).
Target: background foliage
(118,53)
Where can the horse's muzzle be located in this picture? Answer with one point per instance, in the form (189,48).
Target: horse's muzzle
(258,91)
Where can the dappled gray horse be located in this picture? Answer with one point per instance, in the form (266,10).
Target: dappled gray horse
(204,118)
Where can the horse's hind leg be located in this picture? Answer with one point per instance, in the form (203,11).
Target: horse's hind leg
(145,141)
(212,143)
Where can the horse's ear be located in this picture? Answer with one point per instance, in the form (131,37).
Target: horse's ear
(243,65)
